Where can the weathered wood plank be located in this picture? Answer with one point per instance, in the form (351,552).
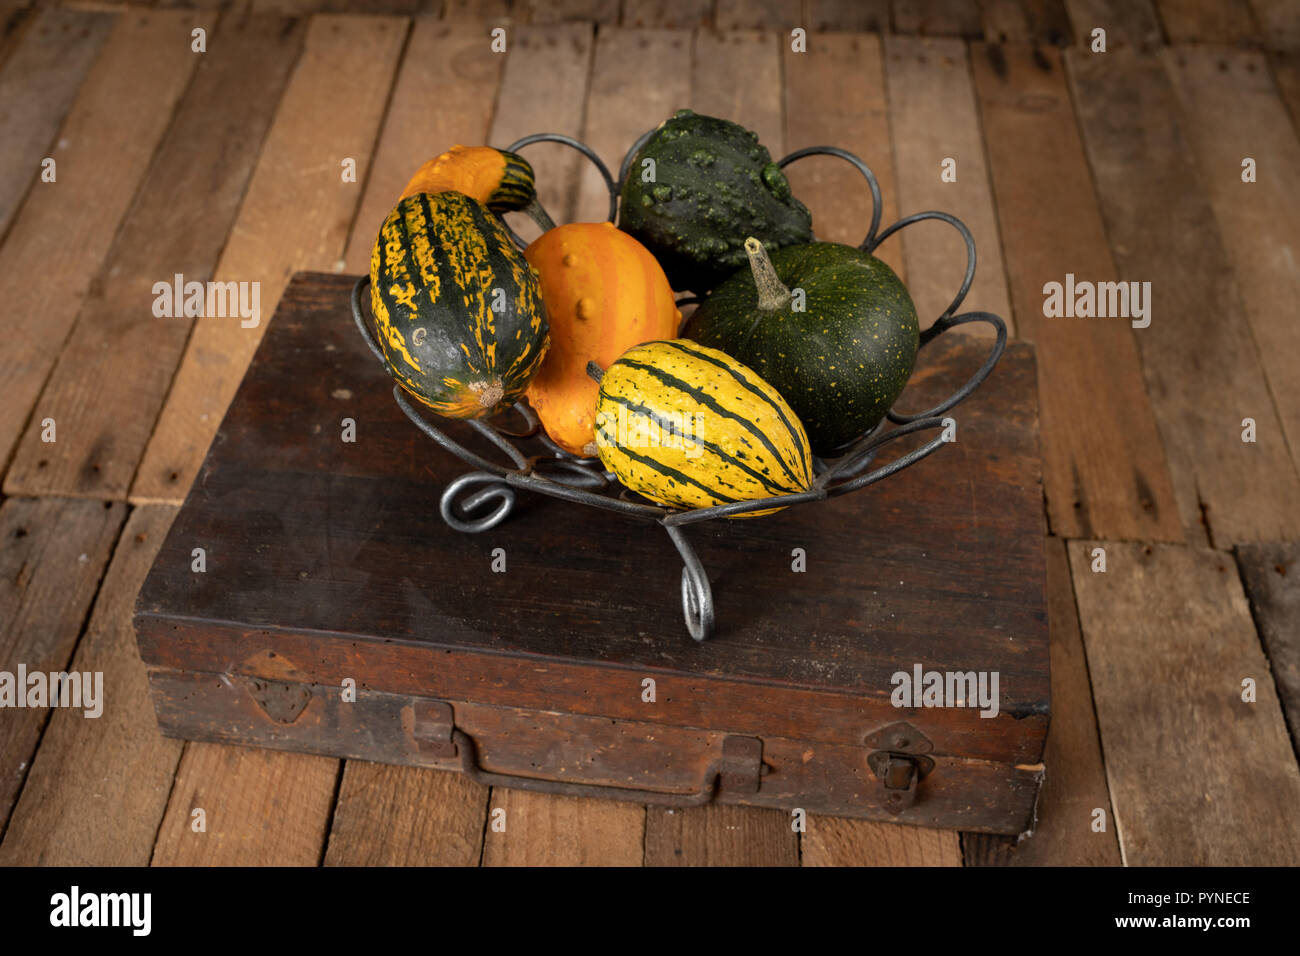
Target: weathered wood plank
(259,808)
(781,15)
(1104,467)
(1128,23)
(1026,21)
(1271,573)
(849,16)
(720,836)
(934,18)
(541,829)
(1286,70)
(737,76)
(490,11)
(934,118)
(638,79)
(833,841)
(177,226)
(451,64)
(1170,641)
(1074,785)
(61,234)
(1279,23)
(543,90)
(1204,376)
(53,558)
(1226,22)
(666,14)
(823,109)
(37,86)
(1230,111)
(405,816)
(97,788)
(296,214)
(563,11)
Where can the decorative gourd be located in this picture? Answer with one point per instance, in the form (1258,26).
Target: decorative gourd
(458,309)
(840,353)
(691,427)
(712,184)
(500,180)
(604,293)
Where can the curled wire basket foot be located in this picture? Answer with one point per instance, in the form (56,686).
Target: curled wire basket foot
(482,499)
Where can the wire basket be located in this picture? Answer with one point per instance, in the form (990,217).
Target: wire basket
(483,498)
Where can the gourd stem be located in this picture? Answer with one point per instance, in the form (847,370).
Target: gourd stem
(772,293)
(537,214)
(596,372)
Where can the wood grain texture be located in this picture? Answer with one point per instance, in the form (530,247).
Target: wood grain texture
(835,842)
(1286,71)
(561,11)
(777,15)
(1208,21)
(63,231)
(543,90)
(1026,21)
(1074,784)
(1231,110)
(546,830)
(639,78)
(1279,23)
(53,558)
(667,14)
(1170,641)
(850,16)
(176,226)
(755,103)
(821,109)
(933,117)
(297,213)
(1128,24)
(37,85)
(97,788)
(403,816)
(1271,574)
(1204,375)
(488,11)
(260,808)
(1103,464)
(720,836)
(452,65)
(935,18)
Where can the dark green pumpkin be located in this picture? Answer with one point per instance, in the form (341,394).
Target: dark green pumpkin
(458,308)
(714,184)
(843,360)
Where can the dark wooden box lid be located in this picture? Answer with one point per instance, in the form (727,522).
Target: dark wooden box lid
(327,560)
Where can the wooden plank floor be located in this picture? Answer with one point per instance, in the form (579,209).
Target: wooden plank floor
(1172,451)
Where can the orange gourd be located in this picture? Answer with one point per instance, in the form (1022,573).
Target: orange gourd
(604,294)
(500,180)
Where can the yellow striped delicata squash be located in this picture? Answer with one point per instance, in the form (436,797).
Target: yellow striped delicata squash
(458,308)
(690,427)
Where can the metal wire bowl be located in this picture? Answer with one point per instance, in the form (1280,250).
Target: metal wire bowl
(481,499)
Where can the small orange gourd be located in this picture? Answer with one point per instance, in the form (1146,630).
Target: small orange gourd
(604,294)
(500,180)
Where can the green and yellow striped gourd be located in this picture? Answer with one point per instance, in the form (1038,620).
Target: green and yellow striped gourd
(458,308)
(690,427)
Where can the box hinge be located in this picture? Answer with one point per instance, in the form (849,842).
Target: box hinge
(432,727)
(742,765)
(899,760)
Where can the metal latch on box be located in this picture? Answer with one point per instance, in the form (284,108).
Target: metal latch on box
(431,727)
(899,760)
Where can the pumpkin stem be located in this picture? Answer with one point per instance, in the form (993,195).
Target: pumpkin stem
(537,214)
(595,371)
(772,293)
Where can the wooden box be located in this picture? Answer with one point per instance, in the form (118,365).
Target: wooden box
(571,670)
